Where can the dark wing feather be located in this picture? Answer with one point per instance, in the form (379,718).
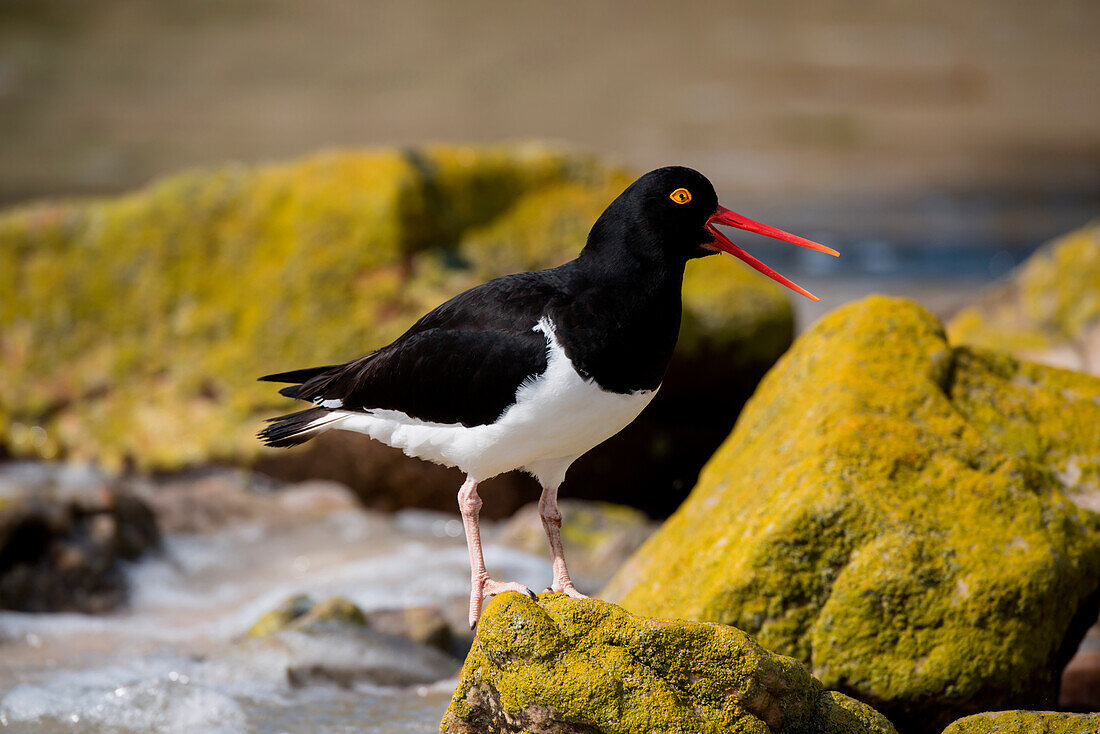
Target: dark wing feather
(460,363)
(443,376)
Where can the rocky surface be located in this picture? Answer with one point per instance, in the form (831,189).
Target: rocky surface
(1048,310)
(1026,722)
(335,642)
(167,303)
(909,518)
(64,532)
(598,537)
(422,625)
(1080,689)
(564,665)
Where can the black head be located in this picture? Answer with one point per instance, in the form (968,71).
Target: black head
(663,216)
(669,216)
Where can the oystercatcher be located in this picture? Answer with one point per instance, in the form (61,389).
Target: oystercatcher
(530,371)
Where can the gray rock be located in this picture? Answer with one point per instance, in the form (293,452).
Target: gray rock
(63,533)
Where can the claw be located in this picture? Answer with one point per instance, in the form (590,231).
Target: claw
(486,588)
(570,591)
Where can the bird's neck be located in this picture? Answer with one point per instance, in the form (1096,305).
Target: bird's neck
(623,318)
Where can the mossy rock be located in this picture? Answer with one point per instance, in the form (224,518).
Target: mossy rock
(1026,722)
(588,667)
(1048,310)
(302,614)
(906,517)
(132,329)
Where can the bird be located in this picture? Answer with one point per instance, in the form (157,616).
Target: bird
(531,370)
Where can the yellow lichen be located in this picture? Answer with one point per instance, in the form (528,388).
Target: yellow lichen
(301,612)
(893,511)
(1051,300)
(1026,722)
(588,666)
(132,329)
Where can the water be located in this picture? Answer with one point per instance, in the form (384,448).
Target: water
(174,661)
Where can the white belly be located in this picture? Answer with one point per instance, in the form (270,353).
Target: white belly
(556,417)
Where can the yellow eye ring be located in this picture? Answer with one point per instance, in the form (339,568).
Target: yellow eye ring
(680,196)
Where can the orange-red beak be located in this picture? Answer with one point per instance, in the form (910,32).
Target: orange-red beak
(733,219)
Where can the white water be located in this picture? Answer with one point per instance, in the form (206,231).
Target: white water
(172,661)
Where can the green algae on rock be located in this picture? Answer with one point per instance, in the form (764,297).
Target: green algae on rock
(1026,722)
(132,329)
(302,613)
(334,642)
(581,665)
(1048,310)
(906,517)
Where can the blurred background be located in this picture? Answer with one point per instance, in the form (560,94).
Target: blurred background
(937,144)
(931,141)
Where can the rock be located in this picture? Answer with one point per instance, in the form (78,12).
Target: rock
(568,666)
(282,616)
(423,625)
(1047,311)
(242,271)
(907,517)
(1026,722)
(61,541)
(302,614)
(334,642)
(598,537)
(1080,689)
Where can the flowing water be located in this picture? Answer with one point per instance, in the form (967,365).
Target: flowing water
(173,660)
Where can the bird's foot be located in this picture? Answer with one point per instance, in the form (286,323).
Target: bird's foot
(485,588)
(568,589)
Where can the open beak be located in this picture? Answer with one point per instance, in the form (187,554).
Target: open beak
(733,219)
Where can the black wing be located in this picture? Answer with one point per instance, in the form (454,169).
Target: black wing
(461,363)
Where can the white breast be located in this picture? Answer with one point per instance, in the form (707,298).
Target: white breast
(556,417)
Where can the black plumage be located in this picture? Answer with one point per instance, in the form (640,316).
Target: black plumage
(616,309)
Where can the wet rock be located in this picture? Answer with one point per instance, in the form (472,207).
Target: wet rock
(62,540)
(1026,722)
(332,642)
(384,234)
(564,665)
(282,616)
(907,517)
(424,625)
(598,537)
(1048,309)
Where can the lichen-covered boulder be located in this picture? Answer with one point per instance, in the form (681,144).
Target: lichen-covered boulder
(132,329)
(334,642)
(906,517)
(584,666)
(302,613)
(1026,722)
(1048,310)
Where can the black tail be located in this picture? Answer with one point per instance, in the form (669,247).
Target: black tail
(296,428)
(298,377)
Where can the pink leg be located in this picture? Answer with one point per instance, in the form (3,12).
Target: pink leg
(482,587)
(551,523)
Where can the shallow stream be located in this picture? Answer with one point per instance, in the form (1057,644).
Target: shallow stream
(173,660)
